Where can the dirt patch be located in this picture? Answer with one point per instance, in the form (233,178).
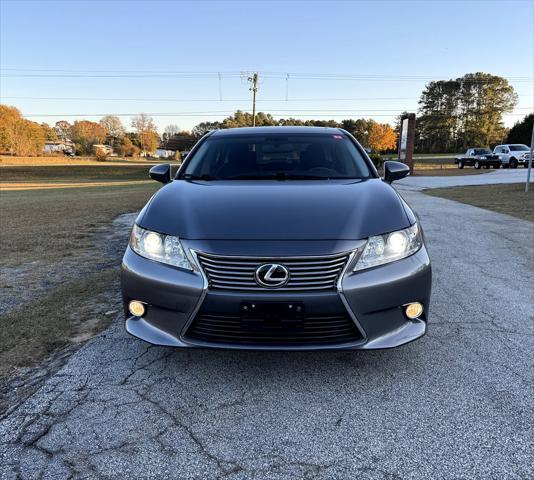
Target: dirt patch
(503,198)
(60,252)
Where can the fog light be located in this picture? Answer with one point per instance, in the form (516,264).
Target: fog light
(414,310)
(137,309)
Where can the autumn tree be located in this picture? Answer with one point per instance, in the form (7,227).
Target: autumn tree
(146,131)
(85,134)
(19,136)
(126,148)
(114,129)
(49,133)
(381,137)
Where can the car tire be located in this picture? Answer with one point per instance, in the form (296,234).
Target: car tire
(477,165)
(513,163)
(526,165)
(460,165)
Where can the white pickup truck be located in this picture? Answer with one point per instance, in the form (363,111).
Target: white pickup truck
(513,155)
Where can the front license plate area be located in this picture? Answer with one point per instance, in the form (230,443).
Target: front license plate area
(257,316)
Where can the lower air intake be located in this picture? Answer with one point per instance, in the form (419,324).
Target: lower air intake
(310,330)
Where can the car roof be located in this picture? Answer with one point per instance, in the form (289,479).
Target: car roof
(275,131)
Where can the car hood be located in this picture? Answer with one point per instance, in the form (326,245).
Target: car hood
(275,210)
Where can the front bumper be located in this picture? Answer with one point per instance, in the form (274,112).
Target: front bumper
(372,298)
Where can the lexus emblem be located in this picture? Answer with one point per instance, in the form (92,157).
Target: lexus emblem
(271,275)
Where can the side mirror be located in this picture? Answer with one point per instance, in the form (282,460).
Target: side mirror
(160,173)
(395,171)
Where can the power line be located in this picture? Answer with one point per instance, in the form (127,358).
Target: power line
(60,73)
(230,112)
(263,100)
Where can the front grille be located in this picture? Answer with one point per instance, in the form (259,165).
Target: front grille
(305,273)
(311,330)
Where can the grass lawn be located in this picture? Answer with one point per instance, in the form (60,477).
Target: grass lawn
(73,161)
(50,260)
(74,173)
(510,198)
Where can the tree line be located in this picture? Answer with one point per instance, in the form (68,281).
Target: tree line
(464,112)
(453,115)
(379,137)
(19,136)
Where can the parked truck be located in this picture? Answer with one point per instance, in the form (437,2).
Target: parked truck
(478,158)
(513,155)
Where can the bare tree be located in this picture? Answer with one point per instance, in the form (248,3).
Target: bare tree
(171,130)
(62,129)
(146,132)
(113,127)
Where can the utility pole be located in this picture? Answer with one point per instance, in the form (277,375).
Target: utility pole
(530,160)
(254,80)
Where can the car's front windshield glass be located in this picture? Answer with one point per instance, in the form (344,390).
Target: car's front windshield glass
(518,148)
(482,151)
(279,157)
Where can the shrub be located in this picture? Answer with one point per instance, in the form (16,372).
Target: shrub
(377,159)
(101,155)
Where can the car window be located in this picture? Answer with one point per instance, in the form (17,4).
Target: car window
(519,148)
(305,156)
(482,151)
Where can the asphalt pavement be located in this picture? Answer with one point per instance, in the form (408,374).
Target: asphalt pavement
(456,404)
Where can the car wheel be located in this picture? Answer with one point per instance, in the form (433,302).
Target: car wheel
(513,163)
(477,165)
(460,165)
(526,165)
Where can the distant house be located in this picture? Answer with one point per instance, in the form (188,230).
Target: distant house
(58,146)
(177,143)
(107,149)
(164,153)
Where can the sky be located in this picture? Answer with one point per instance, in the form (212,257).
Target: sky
(182,62)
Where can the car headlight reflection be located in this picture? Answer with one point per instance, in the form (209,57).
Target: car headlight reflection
(161,248)
(388,248)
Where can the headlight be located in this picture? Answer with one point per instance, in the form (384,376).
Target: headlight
(482,158)
(159,247)
(390,247)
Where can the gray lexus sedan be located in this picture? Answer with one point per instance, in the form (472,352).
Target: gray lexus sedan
(280,238)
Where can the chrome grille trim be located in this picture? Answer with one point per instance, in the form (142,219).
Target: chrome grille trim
(306,273)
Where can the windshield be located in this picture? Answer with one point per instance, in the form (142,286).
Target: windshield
(482,151)
(519,148)
(279,157)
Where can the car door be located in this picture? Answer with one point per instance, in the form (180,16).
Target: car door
(470,157)
(505,155)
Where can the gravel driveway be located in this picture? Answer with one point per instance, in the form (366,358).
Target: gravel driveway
(456,404)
